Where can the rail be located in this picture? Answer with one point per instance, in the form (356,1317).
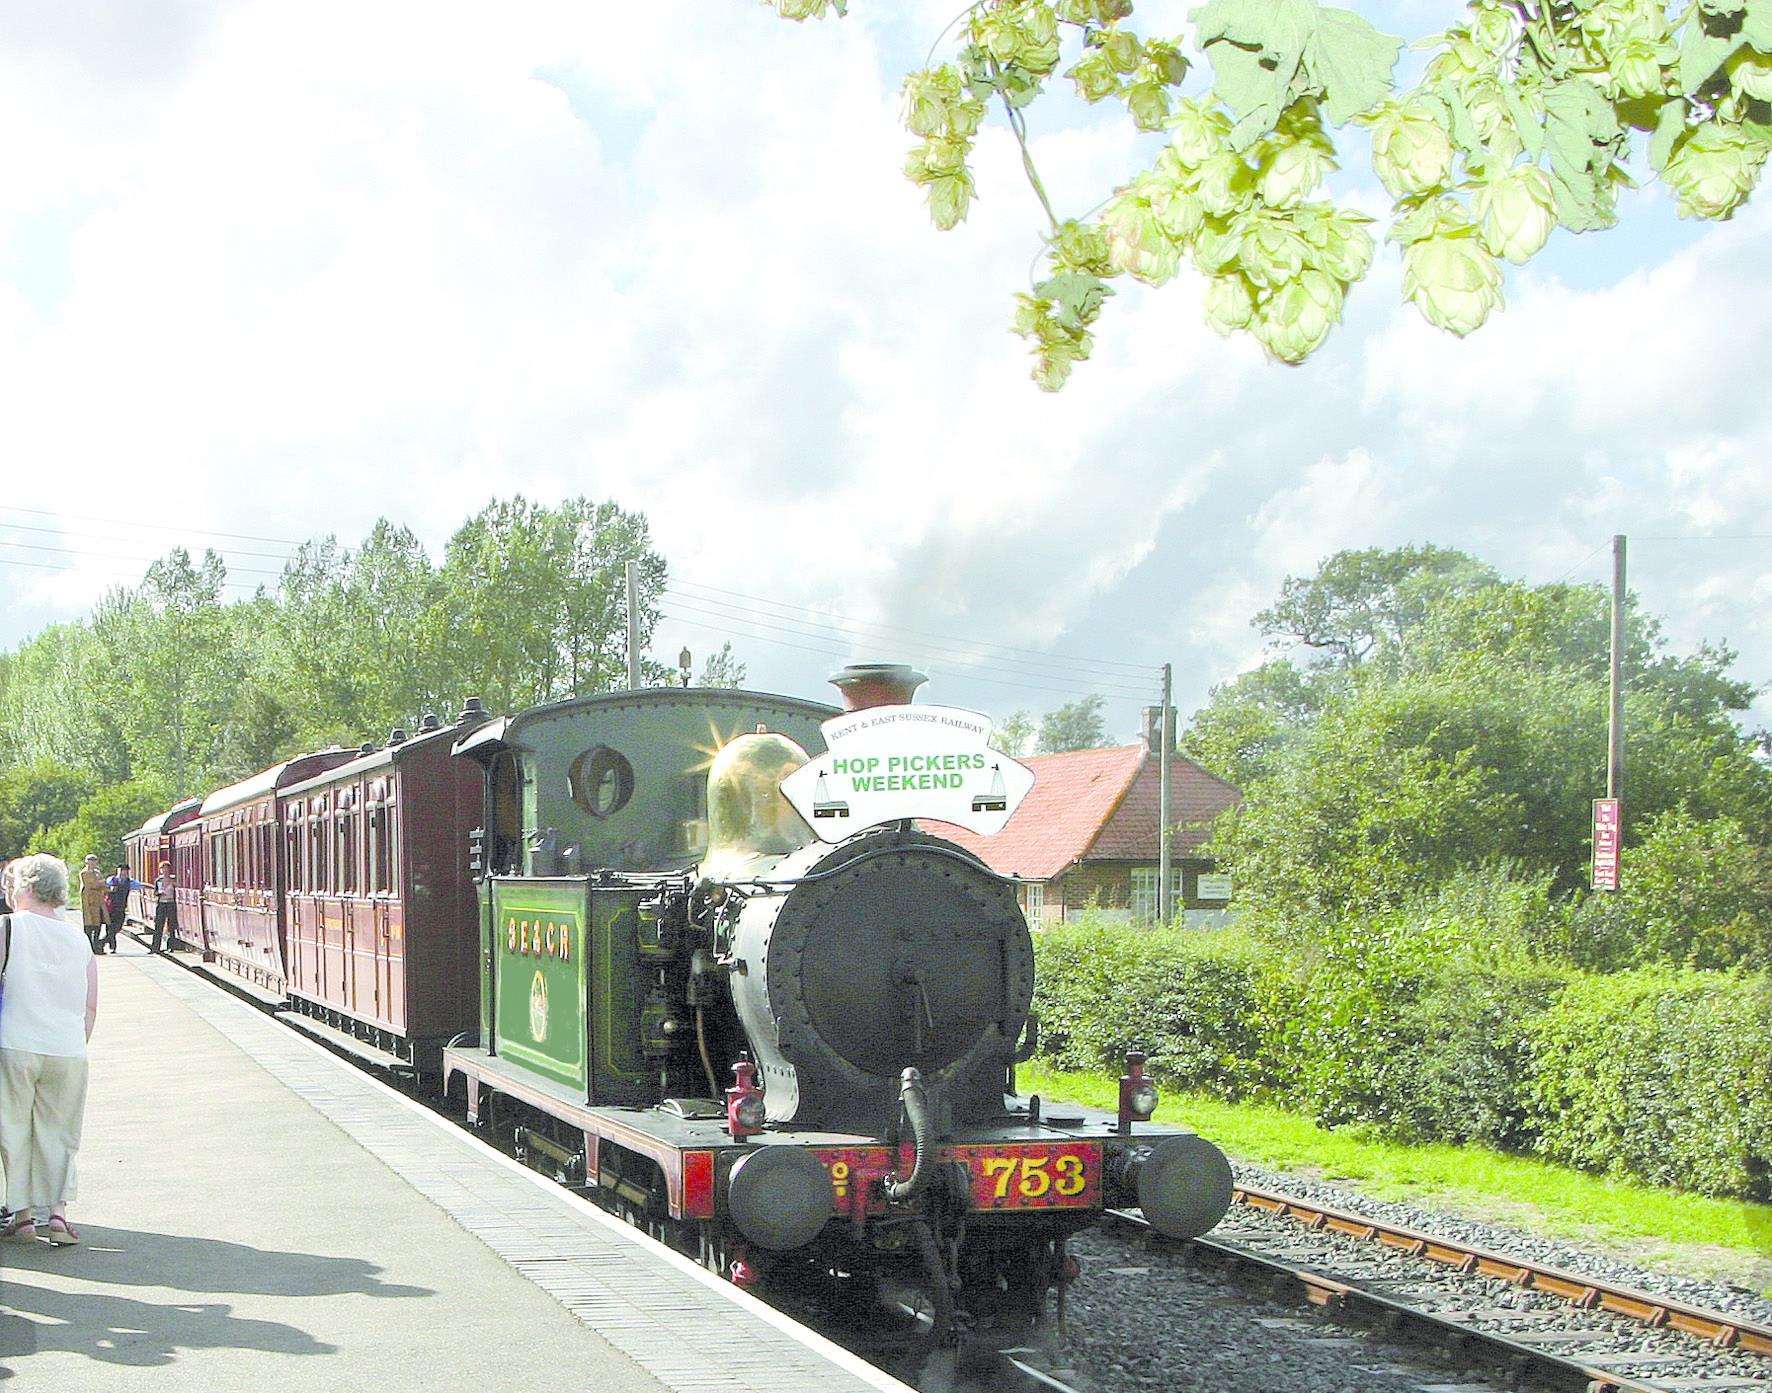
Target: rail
(1517,1351)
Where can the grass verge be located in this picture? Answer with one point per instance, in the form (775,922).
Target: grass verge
(1471,1180)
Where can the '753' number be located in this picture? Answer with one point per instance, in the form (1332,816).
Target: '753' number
(1033,1177)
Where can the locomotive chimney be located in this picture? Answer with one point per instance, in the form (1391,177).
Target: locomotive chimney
(877,684)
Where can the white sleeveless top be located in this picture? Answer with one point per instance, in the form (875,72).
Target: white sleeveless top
(43,1003)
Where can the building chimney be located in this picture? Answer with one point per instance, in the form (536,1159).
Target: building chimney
(877,684)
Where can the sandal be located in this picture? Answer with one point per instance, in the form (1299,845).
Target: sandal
(60,1232)
(19,1229)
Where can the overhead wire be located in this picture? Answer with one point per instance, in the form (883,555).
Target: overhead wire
(828,634)
(80,535)
(1117,686)
(836,648)
(116,578)
(153,526)
(1045,657)
(115,556)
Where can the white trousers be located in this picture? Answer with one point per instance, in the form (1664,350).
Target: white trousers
(42,1107)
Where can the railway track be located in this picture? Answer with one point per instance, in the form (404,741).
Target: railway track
(1524,1320)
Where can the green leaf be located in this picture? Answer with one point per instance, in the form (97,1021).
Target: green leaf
(1077,293)
(1756,24)
(1531,129)
(1702,53)
(1668,124)
(1351,61)
(1581,133)
(1256,48)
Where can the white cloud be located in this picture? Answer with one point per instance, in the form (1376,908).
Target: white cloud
(283,282)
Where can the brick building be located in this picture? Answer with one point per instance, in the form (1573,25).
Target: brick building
(1087,833)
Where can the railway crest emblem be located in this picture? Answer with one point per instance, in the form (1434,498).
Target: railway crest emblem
(538,1008)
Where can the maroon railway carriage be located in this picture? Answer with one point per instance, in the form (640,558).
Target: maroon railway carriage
(241,873)
(380,905)
(149,845)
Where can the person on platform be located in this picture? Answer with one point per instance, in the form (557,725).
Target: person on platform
(117,890)
(165,907)
(92,900)
(50,981)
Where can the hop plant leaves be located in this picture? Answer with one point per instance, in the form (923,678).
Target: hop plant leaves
(1524,120)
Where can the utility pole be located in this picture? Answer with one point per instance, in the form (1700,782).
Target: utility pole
(1615,721)
(633,577)
(1165,722)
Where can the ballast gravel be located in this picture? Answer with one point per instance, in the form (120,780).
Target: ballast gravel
(1730,1298)
(1141,1319)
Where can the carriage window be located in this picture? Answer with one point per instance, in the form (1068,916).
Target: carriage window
(601,781)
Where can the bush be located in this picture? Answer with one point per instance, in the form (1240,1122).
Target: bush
(1441,1020)
(1193,1000)
(1661,1075)
(1692,893)
(1411,1023)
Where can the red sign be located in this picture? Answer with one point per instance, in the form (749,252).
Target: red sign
(1607,823)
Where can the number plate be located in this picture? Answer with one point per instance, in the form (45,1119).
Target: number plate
(1061,1175)
(1024,1175)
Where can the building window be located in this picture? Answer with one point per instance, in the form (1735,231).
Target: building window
(1034,903)
(1144,892)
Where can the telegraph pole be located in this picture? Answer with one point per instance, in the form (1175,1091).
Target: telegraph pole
(1165,721)
(1615,721)
(633,577)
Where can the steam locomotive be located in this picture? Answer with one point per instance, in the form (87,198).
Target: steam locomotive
(793,1058)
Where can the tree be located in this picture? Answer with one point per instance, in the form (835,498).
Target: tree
(1524,119)
(1247,721)
(1471,728)
(34,798)
(174,634)
(722,669)
(1013,734)
(537,603)
(99,825)
(1077,725)
(1360,601)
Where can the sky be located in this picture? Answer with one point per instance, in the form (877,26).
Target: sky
(270,270)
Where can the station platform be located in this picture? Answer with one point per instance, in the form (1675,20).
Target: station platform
(257,1214)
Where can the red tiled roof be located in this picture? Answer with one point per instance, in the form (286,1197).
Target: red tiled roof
(1097,805)
(1195,799)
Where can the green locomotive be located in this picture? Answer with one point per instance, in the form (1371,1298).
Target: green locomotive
(788,1055)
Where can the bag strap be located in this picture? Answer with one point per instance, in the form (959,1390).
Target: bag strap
(6,957)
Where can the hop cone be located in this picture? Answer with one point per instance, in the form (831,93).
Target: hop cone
(1453,281)
(1197,132)
(1517,212)
(1293,172)
(1230,304)
(1714,170)
(1410,151)
(1298,317)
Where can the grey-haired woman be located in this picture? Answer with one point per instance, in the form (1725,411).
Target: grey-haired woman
(47,1010)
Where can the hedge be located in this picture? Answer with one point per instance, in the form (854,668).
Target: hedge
(1666,1076)
(1660,1074)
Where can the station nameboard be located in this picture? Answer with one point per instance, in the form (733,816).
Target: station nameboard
(887,763)
(1606,829)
